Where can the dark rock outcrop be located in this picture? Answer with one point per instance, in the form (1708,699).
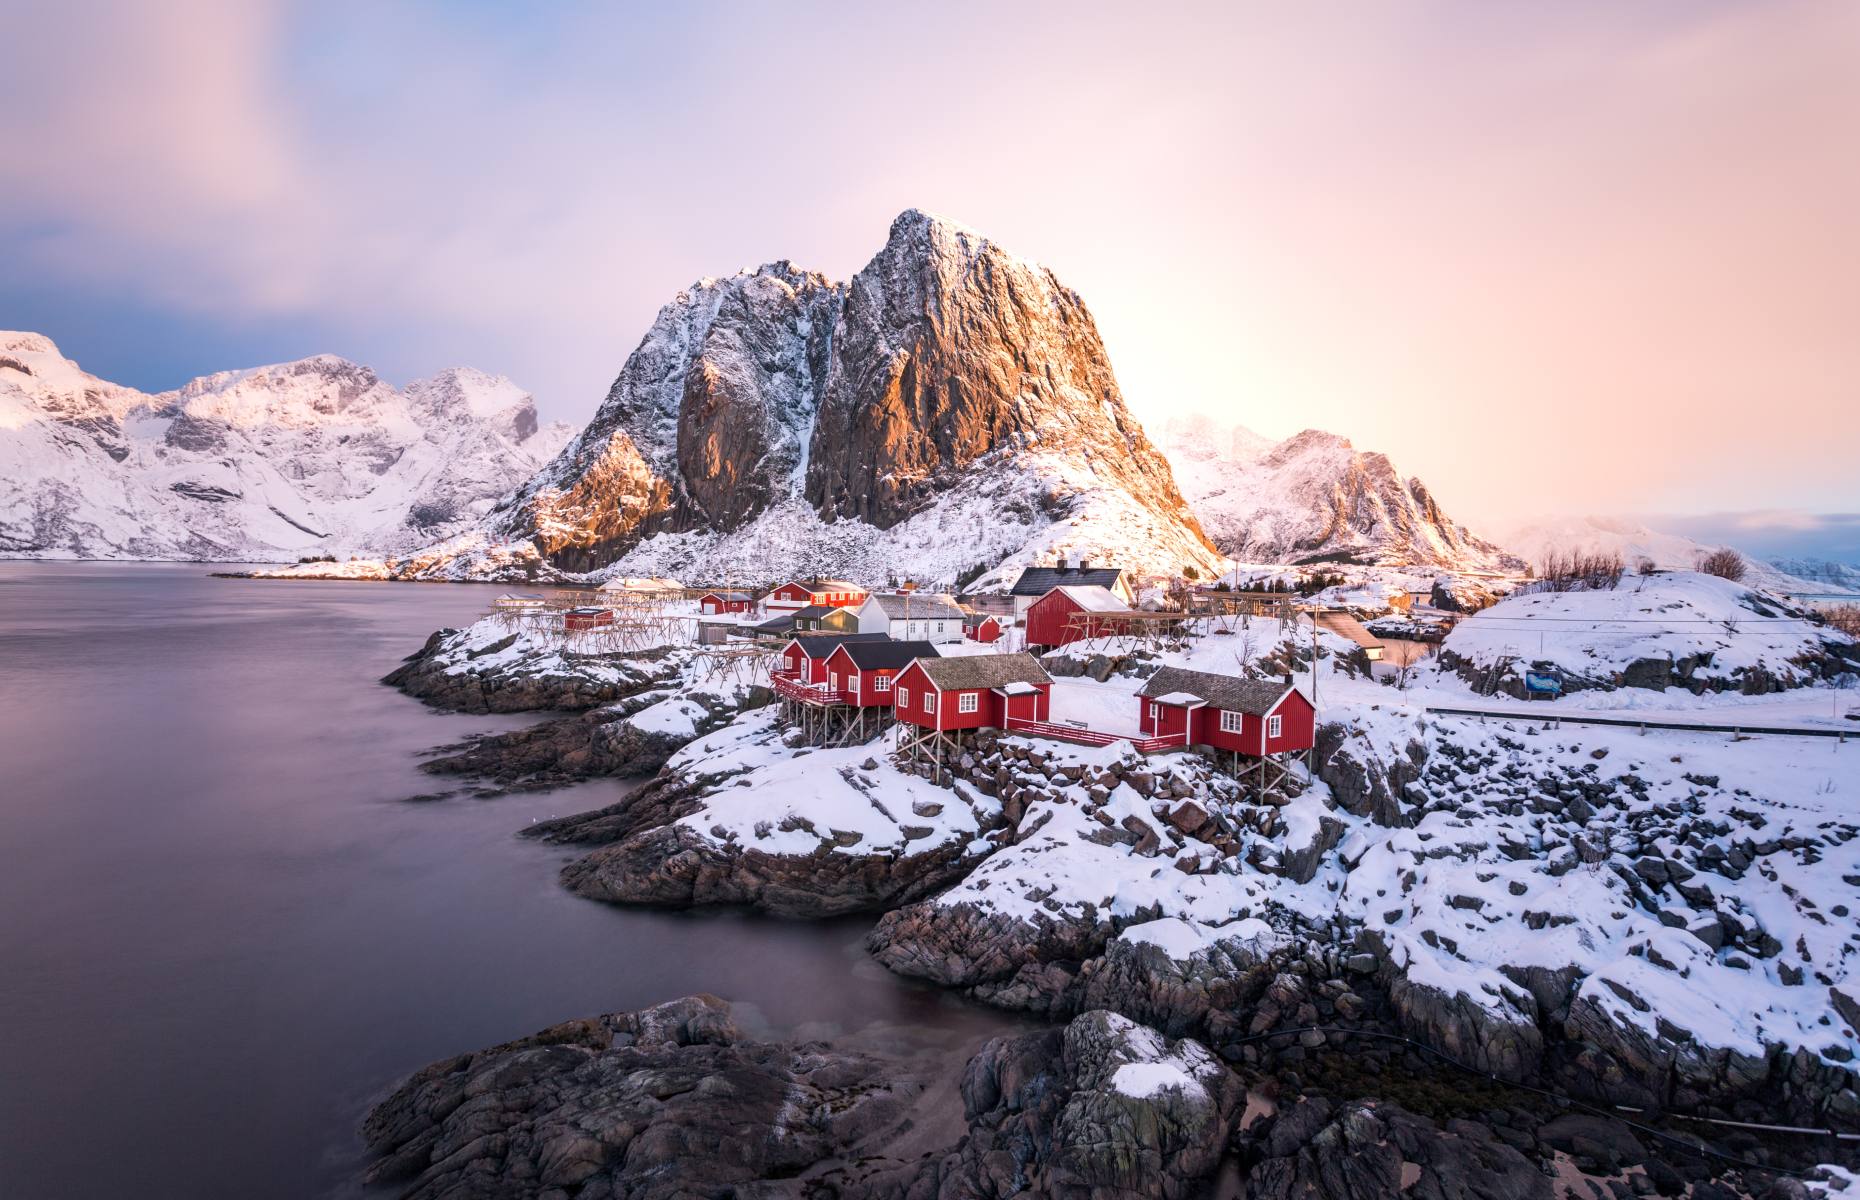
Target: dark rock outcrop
(667,1101)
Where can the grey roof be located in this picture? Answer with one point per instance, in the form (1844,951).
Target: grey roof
(1227,692)
(814,611)
(727,595)
(819,645)
(1037,581)
(917,605)
(983,671)
(777,624)
(887,655)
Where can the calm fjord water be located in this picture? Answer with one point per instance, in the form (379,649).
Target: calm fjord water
(223,928)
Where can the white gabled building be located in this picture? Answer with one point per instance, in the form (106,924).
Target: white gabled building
(912,617)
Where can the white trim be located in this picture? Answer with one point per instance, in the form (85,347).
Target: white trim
(902,698)
(1239,725)
(882,683)
(1275,727)
(968,702)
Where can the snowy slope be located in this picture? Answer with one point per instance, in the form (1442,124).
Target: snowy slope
(1538,537)
(1314,498)
(313,457)
(1651,631)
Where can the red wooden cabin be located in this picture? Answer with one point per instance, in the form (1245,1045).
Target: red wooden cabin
(832,593)
(977,691)
(1254,717)
(804,659)
(980,627)
(716,603)
(864,671)
(586,618)
(1068,614)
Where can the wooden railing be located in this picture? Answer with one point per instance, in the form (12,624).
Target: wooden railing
(1093,737)
(789,685)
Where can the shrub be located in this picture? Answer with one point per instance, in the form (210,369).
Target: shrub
(1725,563)
(1846,618)
(1575,570)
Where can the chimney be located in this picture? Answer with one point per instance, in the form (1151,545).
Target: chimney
(1084,564)
(1288,679)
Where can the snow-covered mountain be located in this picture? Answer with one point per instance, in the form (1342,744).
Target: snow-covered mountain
(314,457)
(1635,542)
(950,414)
(1833,576)
(1315,498)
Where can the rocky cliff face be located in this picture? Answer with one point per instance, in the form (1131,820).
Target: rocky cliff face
(707,426)
(315,457)
(948,376)
(1315,498)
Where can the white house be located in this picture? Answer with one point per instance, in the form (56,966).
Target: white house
(912,616)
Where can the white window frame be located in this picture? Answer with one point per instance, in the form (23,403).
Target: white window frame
(929,701)
(882,683)
(852,682)
(1154,710)
(904,697)
(1232,722)
(833,681)
(969,702)
(1275,726)
(910,627)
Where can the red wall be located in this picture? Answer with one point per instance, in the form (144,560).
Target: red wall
(1049,622)
(990,712)
(987,631)
(1170,718)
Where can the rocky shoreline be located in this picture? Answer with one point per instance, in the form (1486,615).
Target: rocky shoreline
(1191,909)
(677,1101)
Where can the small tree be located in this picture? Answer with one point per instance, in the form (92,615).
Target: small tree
(1725,563)
(1846,618)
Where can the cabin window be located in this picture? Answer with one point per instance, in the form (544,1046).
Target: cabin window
(1274,725)
(910,627)
(1232,722)
(1152,710)
(904,697)
(929,702)
(969,703)
(852,682)
(939,627)
(882,683)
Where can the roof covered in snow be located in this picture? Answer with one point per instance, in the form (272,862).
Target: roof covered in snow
(1227,692)
(1093,598)
(916,605)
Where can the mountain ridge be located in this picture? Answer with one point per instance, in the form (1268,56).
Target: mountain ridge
(316,456)
(1314,498)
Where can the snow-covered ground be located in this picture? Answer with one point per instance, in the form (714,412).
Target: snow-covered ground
(1711,630)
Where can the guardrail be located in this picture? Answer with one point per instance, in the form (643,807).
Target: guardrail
(1553,719)
(1093,737)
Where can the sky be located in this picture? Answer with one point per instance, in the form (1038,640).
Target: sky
(1552,258)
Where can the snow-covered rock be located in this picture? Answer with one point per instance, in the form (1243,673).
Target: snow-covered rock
(1315,498)
(949,414)
(1669,629)
(310,458)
